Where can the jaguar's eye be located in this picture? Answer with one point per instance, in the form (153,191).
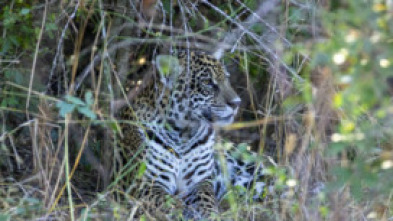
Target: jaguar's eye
(207,82)
(210,84)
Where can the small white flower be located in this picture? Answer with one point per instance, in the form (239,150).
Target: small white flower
(291,182)
(387,164)
(372,215)
(340,57)
(336,137)
(384,63)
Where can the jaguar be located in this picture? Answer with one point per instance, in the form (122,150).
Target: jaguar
(170,130)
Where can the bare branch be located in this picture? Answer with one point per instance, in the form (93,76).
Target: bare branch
(60,45)
(243,29)
(37,48)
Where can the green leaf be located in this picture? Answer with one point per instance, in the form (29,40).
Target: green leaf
(24,11)
(14,76)
(89,98)
(324,211)
(114,126)
(21,210)
(9,21)
(65,108)
(6,47)
(74,100)
(14,40)
(167,64)
(292,101)
(85,110)
(169,201)
(32,200)
(251,4)
(85,214)
(50,27)
(3,103)
(5,217)
(143,218)
(167,6)
(141,170)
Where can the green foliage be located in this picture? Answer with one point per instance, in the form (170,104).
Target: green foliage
(51,26)
(11,97)
(18,36)
(4,217)
(141,170)
(242,152)
(72,103)
(167,6)
(85,214)
(18,29)
(167,65)
(359,54)
(26,207)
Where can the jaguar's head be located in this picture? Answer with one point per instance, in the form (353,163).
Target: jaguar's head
(202,91)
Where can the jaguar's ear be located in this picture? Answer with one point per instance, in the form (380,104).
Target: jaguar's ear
(169,68)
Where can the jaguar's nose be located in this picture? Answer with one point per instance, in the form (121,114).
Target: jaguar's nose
(235,102)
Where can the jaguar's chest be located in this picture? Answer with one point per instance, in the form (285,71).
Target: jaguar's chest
(179,164)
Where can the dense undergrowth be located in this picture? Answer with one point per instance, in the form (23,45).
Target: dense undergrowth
(315,78)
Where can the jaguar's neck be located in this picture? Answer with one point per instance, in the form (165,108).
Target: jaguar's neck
(184,141)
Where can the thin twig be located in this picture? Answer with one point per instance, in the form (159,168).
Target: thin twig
(60,46)
(243,28)
(37,48)
(10,61)
(232,37)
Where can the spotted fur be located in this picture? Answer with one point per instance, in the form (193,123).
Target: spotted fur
(175,136)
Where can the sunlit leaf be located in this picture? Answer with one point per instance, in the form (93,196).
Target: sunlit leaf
(24,11)
(89,98)
(85,110)
(74,100)
(347,126)
(337,100)
(141,170)
(65,108)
